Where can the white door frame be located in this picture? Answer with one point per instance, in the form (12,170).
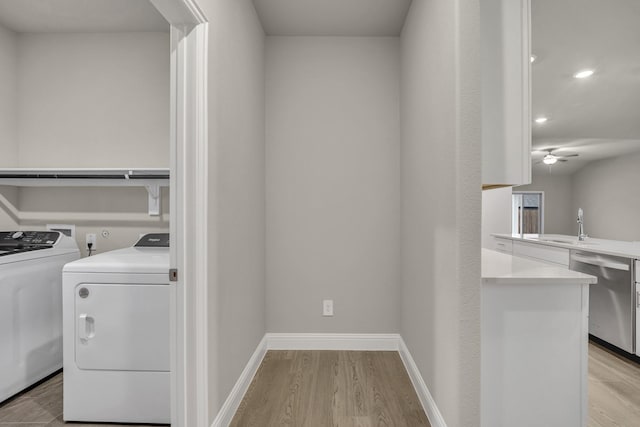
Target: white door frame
(189,200)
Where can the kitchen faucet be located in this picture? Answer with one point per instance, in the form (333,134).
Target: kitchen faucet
(581,235)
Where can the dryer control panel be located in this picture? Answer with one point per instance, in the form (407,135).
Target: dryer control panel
(153,240)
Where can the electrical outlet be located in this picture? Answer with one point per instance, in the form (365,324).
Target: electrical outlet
(91,238)
(327,307)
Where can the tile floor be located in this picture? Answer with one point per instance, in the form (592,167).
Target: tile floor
(39,407)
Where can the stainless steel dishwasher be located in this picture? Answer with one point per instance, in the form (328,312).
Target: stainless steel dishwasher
(612,299)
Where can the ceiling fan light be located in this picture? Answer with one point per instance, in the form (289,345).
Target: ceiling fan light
(583,74)
(549,159)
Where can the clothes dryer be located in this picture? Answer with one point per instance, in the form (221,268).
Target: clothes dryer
(116,335)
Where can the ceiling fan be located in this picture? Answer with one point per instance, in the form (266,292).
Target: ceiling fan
(550,158)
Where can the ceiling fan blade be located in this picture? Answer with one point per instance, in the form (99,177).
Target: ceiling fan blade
(567,155)
(562,160)
(545,150)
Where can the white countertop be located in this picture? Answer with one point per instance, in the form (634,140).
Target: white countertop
(498,267)
(602,246)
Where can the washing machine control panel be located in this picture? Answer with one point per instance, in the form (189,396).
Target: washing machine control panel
(28,238)
(153,240)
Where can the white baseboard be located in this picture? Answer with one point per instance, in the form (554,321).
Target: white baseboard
(231,404)
(428,404)
(355,342)
(361,342)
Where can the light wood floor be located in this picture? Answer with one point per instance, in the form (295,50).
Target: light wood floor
(351,389)
(614,389)
(330,388)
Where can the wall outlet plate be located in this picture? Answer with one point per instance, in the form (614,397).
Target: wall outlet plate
(91,238)
(327,307)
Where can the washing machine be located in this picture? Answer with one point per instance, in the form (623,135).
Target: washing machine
(31,306)
(116,335)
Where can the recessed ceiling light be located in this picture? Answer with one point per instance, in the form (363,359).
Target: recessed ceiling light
(541,120)
(583,74)
(532,58)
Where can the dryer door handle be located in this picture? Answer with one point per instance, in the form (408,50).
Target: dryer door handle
(86,328)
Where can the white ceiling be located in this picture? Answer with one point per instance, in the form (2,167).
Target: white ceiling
(596,117)
(79,16)
(332,17)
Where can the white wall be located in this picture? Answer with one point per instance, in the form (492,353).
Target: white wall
(89,100)
(559,216)
(496,214)
(236,142)
(8,98)
(93,100)
(122,212)
(326,200)
(607,191)
(8,198)
(604,189)
(333,183)
(441,202)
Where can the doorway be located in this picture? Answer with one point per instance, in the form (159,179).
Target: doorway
(527,212)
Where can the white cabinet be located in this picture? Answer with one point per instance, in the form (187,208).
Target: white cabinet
(503,245)
(540,252)
(534,348)
(506,89)
(534,343)
(637,304)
